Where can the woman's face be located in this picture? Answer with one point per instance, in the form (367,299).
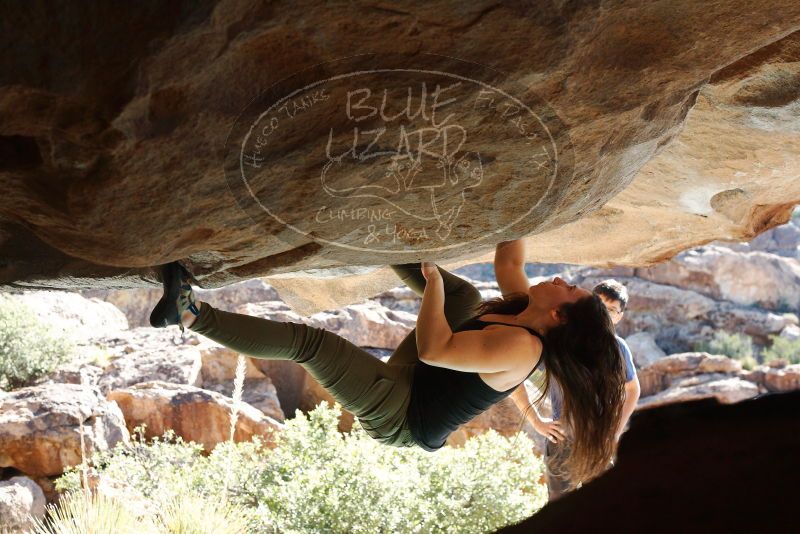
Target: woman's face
(553,293)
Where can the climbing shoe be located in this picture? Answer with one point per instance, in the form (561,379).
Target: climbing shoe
(178,297)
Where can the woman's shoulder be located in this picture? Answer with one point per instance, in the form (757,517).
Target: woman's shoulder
(505,320)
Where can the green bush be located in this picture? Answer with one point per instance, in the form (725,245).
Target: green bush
(316,479)
(27,349)
(736,346)
(783,349)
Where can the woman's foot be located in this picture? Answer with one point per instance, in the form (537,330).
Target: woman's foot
(178,299)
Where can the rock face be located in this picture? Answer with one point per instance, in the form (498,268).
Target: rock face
(679,318)
(644,349)
(782,379)
(749,279)
(21,499)
(40,427)
(106,164)
(149,354)
(783,240)
(125,357)
(725,389)
(696,458)
(218,373)
(70,314)
(137,304)
(659,375)
(692,376)
(194,414)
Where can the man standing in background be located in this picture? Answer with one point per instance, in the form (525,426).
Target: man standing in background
(509,258)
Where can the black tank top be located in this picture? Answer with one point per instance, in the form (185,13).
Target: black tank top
(444,399)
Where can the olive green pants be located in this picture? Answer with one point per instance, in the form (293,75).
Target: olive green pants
(376,392)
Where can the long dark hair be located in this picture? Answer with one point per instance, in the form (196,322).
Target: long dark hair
(583,357)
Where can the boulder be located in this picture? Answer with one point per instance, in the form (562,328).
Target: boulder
(194,414)
(681,318)
(41,426)
(72,315)
(75,372)
(747,279)
(756,323)
(218,364)
(783,240)
(218,374)
(654,303)
(257,392)
(48,486)
(21,500)
(289,379)
(702,147)
(367,324)
(660,374)
(150,354)
(726,390)
(644,349)
(791,332)
(401,298)
(782,379)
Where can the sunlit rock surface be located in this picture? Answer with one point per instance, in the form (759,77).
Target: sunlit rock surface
(21,501)
(683,115)
(194,414)
(41,427)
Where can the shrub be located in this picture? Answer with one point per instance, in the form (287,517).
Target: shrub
(27,349)
(736,346)
(187,514)
(783,349)
(81,513)
(316,479)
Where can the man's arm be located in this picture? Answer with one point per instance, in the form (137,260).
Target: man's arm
(549,428)
(632,391)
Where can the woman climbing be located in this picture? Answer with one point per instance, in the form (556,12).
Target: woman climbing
(463,356)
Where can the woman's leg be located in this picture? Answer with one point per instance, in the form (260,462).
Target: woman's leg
(373,391)
(461,299)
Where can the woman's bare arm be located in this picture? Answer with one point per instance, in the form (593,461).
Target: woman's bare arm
(433,332)
(549,428)
(510,253)
(486,351)
(509,267)
(491,350)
